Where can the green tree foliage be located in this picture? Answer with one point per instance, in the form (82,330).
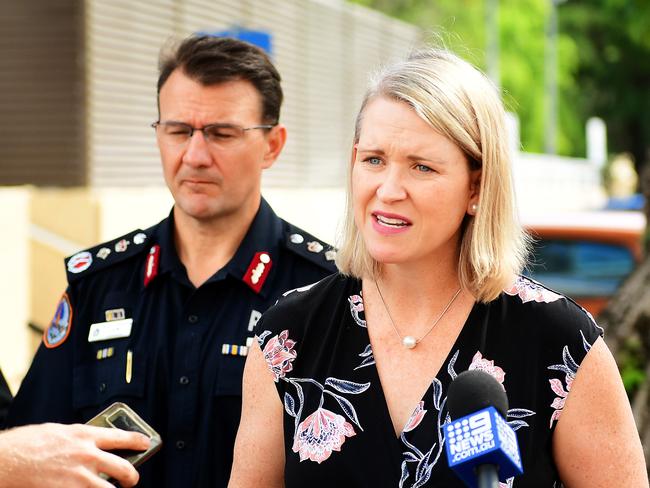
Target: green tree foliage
(613,77)
(603,62)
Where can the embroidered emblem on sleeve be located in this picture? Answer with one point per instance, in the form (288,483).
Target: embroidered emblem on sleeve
(59,328)
(80,262)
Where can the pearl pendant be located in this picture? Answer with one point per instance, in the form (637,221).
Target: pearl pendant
(409,342)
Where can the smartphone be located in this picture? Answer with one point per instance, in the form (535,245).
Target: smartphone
(120,416)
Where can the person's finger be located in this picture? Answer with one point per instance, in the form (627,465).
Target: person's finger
(107,439)
(118,468)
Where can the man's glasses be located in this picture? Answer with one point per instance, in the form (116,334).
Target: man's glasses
(222,135)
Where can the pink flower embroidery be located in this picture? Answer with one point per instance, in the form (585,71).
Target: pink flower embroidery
(356,303)
(416,417)
(558,402)
(279,354)
(479,362)
(530,291)
(320,434)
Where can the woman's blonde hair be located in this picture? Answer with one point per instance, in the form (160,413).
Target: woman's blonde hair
(462,104)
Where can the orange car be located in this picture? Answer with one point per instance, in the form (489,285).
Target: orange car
(585,255)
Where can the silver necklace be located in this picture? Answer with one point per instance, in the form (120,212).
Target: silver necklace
(410,341)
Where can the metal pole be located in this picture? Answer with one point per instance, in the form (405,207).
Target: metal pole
(550,88)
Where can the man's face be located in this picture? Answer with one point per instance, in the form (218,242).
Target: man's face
(219,179)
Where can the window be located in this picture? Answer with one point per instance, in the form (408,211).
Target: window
(580,268)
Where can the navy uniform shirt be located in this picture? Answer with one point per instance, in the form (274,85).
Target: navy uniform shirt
(5,399)
(131,327)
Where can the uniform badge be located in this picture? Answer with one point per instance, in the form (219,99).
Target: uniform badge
(258,271)
(103,253)
(296,238)
(80,262)
(106,352)
(139,238)
(234,350)
(314,246)
(106,331)
(330,255)
(121,245)
(59,328)
(115,314)
(151,264)
(252,321)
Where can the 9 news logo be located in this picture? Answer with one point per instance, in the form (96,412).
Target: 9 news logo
(470,436)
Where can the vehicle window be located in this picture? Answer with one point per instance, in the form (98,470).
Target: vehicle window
(580,268)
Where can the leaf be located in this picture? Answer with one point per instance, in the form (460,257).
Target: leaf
(410,457)
(423,472)
(262,336)
(405,474)
(367,351)
(517,424)
(563,368)
(347,407)
(450,366)
(289,404)
(345,386)
(437,393)
(366,362)
(519,413)
(568,360)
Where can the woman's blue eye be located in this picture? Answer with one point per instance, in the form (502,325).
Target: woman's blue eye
(423,168)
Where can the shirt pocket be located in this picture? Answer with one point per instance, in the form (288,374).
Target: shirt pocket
(104,381)
(229,379)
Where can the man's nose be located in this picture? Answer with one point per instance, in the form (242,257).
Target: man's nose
(197,151)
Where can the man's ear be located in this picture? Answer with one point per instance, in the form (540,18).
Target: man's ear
(275,140)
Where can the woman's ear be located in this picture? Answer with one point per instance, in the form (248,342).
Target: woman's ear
(474,191)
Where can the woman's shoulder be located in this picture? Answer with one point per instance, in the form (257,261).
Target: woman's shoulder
(315,294)
(553,315)
(311,303)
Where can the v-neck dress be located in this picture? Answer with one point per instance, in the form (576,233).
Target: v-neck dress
(337,427)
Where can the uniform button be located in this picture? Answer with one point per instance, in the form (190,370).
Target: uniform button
(184,380)
(102,388)
(180,445)
(192,319)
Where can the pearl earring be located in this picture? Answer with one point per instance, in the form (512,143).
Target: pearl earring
(473,207)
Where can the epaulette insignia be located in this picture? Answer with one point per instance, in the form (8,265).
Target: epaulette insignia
(59,328)
(151,266)
(311,248)
(105,255)
(258,271)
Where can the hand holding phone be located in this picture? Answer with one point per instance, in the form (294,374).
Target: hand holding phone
(121,416)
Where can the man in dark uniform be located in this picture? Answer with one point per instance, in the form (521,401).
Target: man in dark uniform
(5,399)
(162,318)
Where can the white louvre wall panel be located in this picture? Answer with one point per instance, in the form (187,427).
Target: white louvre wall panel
(324,50)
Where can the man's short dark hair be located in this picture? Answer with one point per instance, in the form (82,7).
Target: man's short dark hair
(212,60)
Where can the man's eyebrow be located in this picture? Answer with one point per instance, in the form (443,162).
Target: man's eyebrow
(370,149)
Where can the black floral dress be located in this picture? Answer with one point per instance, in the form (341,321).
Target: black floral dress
(337,427)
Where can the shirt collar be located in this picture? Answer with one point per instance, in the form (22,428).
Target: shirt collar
(265,235)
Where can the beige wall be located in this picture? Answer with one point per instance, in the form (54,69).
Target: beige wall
(15,352)
(45,225)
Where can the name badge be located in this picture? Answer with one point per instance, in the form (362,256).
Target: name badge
(115,329)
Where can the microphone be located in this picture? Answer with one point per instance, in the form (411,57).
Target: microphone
(481,447)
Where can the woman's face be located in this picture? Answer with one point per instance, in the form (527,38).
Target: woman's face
(411,186)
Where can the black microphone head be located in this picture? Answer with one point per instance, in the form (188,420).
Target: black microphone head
(474,390)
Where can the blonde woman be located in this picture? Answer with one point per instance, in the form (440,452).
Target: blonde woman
(348,386)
